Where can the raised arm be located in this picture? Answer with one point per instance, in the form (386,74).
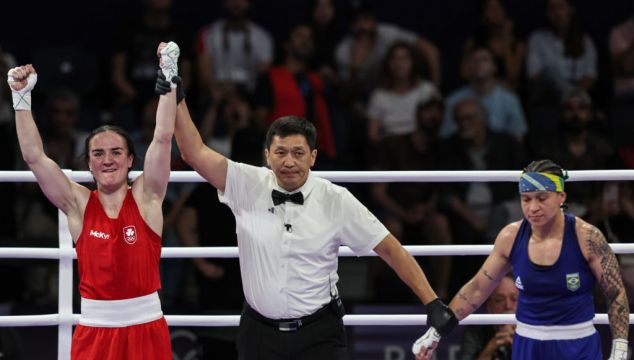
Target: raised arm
(210,164)
(60,190)
(156,167)
(605,268)
(207,162)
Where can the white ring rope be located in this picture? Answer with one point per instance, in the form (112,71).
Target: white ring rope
(232,252)
(233,320)
(367,176)
(65,319)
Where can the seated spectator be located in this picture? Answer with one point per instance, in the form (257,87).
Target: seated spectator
(7,61)
(327,32)
(8,160)
(134,60)
(232,51)
(470,206)
(220,124)
(392,107)
(293,89)
(615,219)
(560,57)
(64,142)
(410,210)
(622,51)
(205,221)
(360,53)
(495,31)
(492,342)
(504,111)
(578,147)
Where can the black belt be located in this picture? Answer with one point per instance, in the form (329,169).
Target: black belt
(288,324)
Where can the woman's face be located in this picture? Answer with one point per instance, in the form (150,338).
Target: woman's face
(541,207)
(559,12)
(324,12)
(494,13)
(109,160)
(400,64)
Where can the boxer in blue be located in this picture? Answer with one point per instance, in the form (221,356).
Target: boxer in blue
(556,259)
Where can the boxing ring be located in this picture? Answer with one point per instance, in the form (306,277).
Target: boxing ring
(65,254)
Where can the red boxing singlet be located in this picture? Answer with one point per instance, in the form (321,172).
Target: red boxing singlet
(117,258)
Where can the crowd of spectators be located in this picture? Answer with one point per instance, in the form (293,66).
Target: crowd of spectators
(376,94)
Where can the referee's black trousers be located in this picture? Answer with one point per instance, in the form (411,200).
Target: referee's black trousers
(323,339)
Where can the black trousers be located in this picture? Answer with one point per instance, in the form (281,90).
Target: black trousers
(323,339)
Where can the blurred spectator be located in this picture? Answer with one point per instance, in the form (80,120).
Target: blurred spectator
(360,53)
(292,89)
(134,62)
(11,347)
(578,147)
(7,61)
(492,342)
(616,220)
(622,51)
(327,32)
(8,149)
(392,107)
(232,51)
(205,221)
(222,122)
(560,57)
(143,136)
(495,31)
(470,205)
(64,142)
(410,210)
(504,111)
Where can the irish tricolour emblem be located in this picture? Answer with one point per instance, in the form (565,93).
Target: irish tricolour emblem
(129,234)
(573,282)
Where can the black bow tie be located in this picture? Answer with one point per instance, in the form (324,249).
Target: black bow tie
(280,197)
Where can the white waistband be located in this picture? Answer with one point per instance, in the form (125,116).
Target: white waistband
(120,313)
(555,332)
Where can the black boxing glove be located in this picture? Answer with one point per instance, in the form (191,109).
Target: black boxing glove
(440,316)
(163,87)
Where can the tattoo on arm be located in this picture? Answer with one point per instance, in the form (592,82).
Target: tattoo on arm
(610,282)
(463,297)
(487,275)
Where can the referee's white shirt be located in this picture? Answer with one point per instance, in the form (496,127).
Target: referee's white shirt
(288,271)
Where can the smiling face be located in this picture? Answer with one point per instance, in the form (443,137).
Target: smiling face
(541,207)
(290,158)
(109,160)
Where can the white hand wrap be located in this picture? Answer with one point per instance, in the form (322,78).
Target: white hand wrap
(22,98)
(619,350)
(169,61)
(426,341)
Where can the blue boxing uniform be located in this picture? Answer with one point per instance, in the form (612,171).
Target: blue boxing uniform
(555,306)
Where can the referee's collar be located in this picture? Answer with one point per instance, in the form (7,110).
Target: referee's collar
(304,189)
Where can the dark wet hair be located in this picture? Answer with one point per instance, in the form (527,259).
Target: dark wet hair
(114,129)
(546,166)
(292,125)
